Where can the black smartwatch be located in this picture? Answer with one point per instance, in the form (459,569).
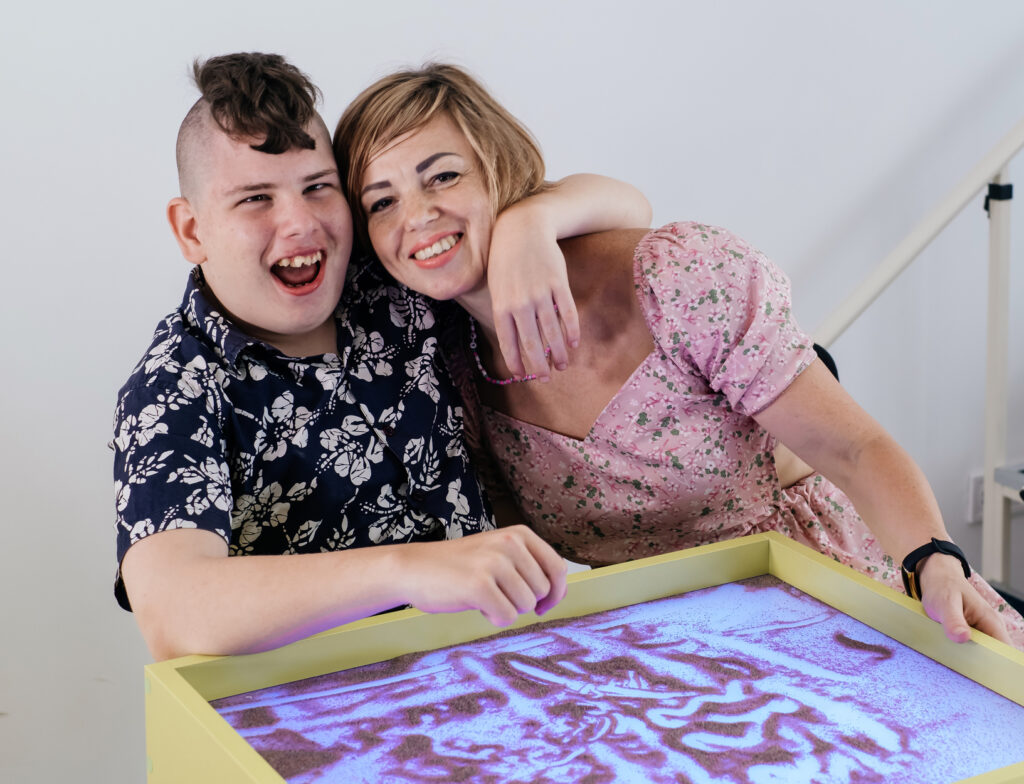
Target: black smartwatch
(909,566)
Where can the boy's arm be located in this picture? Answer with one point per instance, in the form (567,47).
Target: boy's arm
(533,306)
(190,597)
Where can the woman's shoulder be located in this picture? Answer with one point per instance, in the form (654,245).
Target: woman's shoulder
(700,258)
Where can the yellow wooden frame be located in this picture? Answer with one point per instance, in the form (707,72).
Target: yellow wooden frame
(187,740)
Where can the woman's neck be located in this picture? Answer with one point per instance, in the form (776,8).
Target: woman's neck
(488,351)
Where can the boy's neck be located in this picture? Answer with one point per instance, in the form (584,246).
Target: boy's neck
(318,341)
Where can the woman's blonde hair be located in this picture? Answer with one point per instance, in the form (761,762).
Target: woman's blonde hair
(407,100)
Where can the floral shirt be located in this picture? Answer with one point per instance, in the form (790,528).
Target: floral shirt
(219,431)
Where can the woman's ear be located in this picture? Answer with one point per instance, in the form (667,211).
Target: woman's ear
(184,225)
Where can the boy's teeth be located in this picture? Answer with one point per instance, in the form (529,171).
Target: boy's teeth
(439,247)
(300,261)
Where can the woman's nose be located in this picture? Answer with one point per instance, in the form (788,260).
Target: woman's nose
(419,211)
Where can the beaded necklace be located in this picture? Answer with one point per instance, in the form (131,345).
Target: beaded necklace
(480,365)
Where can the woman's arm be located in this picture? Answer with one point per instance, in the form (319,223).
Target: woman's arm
(822,424)
(533,307)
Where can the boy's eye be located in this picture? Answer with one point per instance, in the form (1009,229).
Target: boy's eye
(254,198)
(317,186)
(380,204)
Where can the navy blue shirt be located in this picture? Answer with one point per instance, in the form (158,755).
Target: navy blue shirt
(219,431)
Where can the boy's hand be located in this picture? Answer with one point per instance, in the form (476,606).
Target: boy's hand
(502,573)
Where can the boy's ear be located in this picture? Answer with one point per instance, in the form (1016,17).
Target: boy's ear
(184,226)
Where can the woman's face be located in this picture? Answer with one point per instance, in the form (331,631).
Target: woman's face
(428,211)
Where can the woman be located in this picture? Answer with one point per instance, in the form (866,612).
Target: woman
(661,434)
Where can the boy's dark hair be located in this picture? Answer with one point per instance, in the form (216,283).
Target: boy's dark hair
(262,96)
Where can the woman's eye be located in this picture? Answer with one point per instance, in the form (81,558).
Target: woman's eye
(379,205)
(317,186)
(448,176)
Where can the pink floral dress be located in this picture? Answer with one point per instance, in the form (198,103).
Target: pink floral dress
(675,459)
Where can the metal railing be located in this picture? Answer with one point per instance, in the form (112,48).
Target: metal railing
(990,171)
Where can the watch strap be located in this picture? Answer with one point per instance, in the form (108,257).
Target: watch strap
(909,565)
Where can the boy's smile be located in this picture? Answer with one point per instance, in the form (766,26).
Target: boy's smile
(273,234)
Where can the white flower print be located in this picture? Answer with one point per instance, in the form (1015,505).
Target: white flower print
(215,484)
(282,424)
(421,370)
(149,424)
(256,371)
(329,377)
(342,536)
(414,450)
(303,535)
(141,529)
(424,454)
(350,458)
(122,492)
(160,356)
(189,384)
(148,466)
(255,512)
(456,498)
(204,433)
(372,356)
(409,310)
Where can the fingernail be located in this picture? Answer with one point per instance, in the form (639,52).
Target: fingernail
(562,365)
(574,343)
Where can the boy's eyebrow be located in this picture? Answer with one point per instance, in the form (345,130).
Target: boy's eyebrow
(420,168)
(319,174)
(263,186)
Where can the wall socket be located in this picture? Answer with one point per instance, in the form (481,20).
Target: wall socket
(975,497)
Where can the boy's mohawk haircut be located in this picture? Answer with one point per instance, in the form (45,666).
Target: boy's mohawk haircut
(261,96)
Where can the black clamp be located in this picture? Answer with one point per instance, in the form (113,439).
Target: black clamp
(998,192)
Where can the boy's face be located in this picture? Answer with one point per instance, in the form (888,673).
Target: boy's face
(273,234)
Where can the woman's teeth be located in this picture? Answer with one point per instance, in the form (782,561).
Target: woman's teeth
(439,247)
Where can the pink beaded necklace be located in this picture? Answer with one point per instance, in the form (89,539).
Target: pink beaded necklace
(480,365)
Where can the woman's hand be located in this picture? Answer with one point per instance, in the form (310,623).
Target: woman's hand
(948,598)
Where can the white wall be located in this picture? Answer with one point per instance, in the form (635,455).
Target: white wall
(821,131)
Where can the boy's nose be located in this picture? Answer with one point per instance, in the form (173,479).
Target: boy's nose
(296,217)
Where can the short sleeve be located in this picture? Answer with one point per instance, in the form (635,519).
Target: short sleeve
(717,304)
(170,470)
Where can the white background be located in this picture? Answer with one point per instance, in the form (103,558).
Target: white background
(819,131)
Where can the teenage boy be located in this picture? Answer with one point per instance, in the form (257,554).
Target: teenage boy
(270,420)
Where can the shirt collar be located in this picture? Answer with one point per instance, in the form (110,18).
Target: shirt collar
(201,314)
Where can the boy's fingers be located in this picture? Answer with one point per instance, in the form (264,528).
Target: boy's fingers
(532,345)
(568,315)
(553,567)
(551,331)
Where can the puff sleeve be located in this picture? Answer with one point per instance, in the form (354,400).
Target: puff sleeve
(722,308)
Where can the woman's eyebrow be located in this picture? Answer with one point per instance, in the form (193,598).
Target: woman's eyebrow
(420,168)
(425,164)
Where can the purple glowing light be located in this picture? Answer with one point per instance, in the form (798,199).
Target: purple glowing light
(751,681)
